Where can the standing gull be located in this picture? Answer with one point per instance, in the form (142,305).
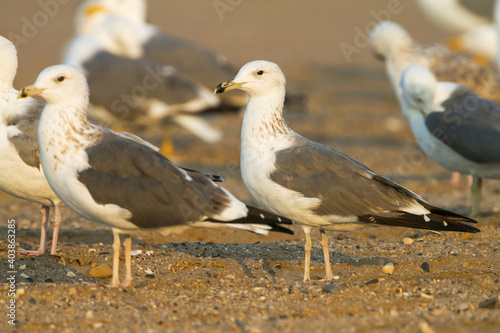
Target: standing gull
(123,184)
(391,43)
(315,185)
(122,28)
(453,126)
(21,173)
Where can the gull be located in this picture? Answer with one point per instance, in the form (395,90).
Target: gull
(454,127)
(109,179)
(315,185)
(121,27)
(21,173)
(391,43)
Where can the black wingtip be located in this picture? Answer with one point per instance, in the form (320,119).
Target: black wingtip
(214,178)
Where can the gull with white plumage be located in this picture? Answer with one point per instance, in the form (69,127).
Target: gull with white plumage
(314,185)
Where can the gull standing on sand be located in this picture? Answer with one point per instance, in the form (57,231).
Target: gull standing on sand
(120,183)
(314,185)
(453,126)
(21,173)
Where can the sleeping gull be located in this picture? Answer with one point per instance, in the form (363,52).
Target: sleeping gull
(120,183)
(394,45)
(453,126)
(21,174)
(315,185)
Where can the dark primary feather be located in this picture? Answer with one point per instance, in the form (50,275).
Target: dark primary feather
(470,125)
(257,216)
(348,188)
(26,142)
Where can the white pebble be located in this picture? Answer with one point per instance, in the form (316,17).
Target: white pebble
(24,275)
(408,240)
(148,271)
(70,274)
(22,267)
(336,277)
(388,268)
(89,314)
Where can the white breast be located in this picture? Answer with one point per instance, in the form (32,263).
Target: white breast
(62,159)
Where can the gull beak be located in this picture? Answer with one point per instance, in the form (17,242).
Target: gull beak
(226,86)
(94,9)
(29,91)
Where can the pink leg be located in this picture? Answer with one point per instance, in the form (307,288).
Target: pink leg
(128,261)
(115,280)
(308,247)
(55,234)
(455,179)
(326,255)
(45,210)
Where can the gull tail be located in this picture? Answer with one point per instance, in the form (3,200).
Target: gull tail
(259,221)
(199,127)
(437,219)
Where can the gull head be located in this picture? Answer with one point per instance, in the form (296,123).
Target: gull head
(257,78)
(59,85)
(419,89)
(8,61)
(387,36)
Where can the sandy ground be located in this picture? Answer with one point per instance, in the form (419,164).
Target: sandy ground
(219,281)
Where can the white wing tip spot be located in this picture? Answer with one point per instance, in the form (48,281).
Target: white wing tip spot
(427,219)
(445,223)
(279,219)
(262,216)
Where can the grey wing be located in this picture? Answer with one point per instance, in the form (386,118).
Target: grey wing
(345,186)
(470,125)
(200,64)
(146,183)
(26,142)
(126,86)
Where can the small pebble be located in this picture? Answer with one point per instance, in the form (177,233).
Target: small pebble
(372,281)
(425,267)
(32,301)
(48,280)
(490,303)
(24,275)
(408,240)
(19,292)
(150,276)
(89,314)
(330,288)
(101,272)
(148,271)
(98,325)
(463,306)
(453,253)
(22,267)
(336,277)
(72,290)
(388,268)
(230,276)
(70,274)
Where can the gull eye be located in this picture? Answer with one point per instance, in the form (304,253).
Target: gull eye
(260,72)
(61,78)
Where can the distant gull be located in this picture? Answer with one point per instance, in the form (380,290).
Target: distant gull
(314,185)
(390,42)
(123,184)
(21,173)
(121,27)
(453,126)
